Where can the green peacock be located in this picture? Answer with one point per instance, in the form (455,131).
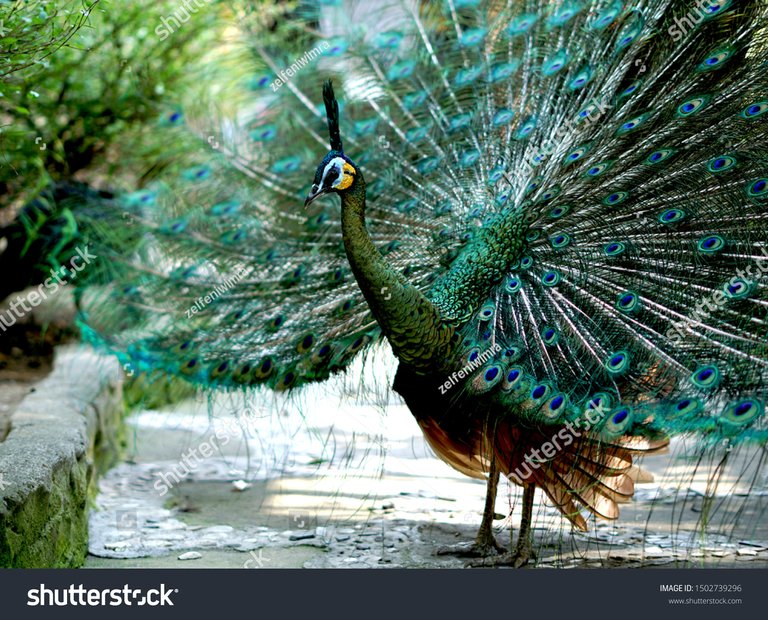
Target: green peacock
(554,213)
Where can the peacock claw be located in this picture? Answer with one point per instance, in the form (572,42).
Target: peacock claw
(515,559)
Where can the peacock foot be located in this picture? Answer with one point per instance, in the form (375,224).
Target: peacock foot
(518,558)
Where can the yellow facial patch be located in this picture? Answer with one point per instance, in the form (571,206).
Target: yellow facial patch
(347,176)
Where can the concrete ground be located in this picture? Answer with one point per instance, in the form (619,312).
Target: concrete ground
(335,479)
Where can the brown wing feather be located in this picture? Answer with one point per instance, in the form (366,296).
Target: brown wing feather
(593,472)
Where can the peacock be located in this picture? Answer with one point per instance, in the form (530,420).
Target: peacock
(553,213)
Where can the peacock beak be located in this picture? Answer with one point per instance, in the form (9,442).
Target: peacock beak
(314,193)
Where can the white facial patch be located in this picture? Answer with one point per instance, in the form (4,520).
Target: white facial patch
(338,162)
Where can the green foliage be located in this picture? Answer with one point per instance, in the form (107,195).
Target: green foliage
(32,30)
(63,112)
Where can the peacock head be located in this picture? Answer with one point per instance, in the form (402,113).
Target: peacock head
(336,173)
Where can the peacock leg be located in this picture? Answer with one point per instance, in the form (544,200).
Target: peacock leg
(523,551)
(485,544)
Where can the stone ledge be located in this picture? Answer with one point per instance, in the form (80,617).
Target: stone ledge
(63,436)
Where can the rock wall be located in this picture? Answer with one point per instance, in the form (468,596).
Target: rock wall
(63,436)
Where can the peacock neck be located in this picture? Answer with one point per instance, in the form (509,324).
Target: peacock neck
(412,324)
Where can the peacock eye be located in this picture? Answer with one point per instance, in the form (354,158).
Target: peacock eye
(332,175)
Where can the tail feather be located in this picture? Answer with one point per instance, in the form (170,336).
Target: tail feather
(464,457)
(591,471)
